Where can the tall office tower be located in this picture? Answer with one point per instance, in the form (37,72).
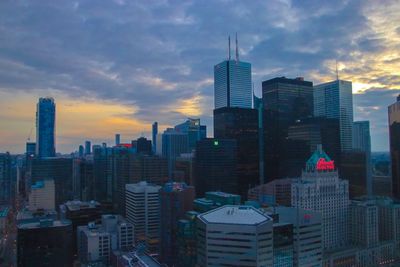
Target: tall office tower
(97,241)
(318,131)
(154,132)
(143,211)
(88,148)
(335,100)
(5,178)
(122,175)
(320,189)
(58,169)
(394,138)
(175,199)
(103,176)
(307,234)
(117,139)
(362,142)
(232,83)
(44,243)
(259,106)
(215,166)
(226,229)
(83,183)
(42,195)
(30,149)
(45,128)
(174,143)
(194,130)
(149,168)
(242,125)
(81,151)
(285,102)
(80,213)
(143,146)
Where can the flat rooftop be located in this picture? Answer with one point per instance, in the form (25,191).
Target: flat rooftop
(44,224)
(230,214)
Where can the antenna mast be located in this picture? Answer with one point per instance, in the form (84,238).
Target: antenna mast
(229,47)
(237,49)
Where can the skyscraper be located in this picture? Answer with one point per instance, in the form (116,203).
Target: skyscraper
(45,127)
(285,102)
(394,138)
(174,143)
(194,131)
(362,142)
(215,166)
(5,178)
(175,199)
(232,83)
(143,211)
(117,139)
(335,100)
(241,124)
(88,148)
(154,132)
(320,189)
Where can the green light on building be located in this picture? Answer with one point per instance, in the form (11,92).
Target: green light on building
(215,143)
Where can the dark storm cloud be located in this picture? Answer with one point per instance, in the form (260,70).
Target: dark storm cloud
(156,54)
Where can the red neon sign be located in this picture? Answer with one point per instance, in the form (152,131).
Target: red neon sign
(323,165)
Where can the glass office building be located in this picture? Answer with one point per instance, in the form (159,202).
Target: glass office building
(335,100)
(45,127)
(232,84)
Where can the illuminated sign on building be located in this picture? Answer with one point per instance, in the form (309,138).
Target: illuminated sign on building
(323,165)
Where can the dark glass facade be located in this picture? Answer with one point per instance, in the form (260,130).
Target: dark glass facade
(215,166)
(175,200)
(241,124)
(394,138)
(59,169)
(285,101)
(46,243)
(353,168)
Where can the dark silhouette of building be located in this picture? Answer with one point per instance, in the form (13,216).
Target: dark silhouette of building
(394,138)
(285,101)
(59,169)
(215,166)
(175,199)
(45,243)
(143,146)
(80,213)
(241,124)
(354,169)
(83,179)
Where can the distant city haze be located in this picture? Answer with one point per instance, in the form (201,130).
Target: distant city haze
(118,66)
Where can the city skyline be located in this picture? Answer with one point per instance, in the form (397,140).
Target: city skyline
(111,77)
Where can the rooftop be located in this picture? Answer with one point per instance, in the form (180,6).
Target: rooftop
(77,204)
(231,214)
(46,223)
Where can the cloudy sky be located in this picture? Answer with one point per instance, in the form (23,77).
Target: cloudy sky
(117,66)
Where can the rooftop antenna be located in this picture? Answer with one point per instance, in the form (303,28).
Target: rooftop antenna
(237,49)
(229,47)
(337,72)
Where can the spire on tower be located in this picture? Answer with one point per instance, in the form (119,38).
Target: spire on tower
(237,49)
(229,47)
